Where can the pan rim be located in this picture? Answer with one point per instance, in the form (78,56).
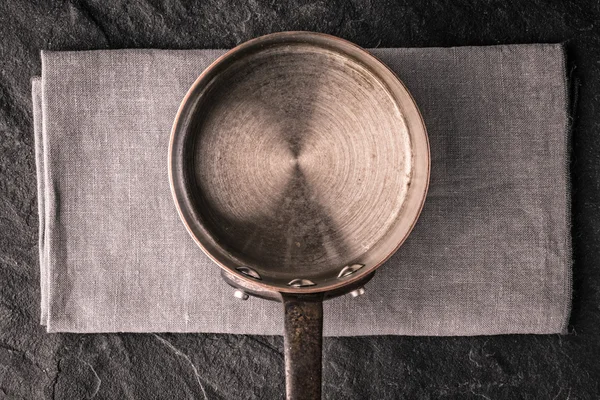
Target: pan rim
(338,44)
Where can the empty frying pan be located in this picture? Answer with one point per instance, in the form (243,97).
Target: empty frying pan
(299,163)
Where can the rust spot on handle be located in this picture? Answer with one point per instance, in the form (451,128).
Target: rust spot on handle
(303,341)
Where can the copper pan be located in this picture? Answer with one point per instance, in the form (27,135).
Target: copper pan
(299,163)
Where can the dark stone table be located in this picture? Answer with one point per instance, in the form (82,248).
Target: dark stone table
(36,365)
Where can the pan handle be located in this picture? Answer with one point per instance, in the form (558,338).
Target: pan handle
(303,341)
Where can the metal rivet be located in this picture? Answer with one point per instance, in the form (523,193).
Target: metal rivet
(249,272)
(357,292)
(240,294)
(301,283)
(349,270)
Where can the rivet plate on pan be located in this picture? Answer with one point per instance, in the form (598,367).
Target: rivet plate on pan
(349,270)
(301,283)
(249,272)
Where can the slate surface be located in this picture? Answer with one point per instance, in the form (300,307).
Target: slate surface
(36,365)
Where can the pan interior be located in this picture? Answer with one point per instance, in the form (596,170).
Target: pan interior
(301,161)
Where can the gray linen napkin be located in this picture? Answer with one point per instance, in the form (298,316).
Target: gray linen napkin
(490,254)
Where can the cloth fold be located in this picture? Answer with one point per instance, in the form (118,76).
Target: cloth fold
(491,253)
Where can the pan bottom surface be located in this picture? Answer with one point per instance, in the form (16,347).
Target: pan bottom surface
(302,160)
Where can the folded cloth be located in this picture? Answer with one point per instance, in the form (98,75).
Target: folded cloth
(491,253)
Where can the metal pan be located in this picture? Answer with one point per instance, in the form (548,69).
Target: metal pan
(299,163)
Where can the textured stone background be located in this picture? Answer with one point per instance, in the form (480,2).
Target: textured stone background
(36,365)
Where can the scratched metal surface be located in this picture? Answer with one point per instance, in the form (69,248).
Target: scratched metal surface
(306,179)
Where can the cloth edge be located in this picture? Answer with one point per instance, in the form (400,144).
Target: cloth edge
(36,88)
(569,111)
